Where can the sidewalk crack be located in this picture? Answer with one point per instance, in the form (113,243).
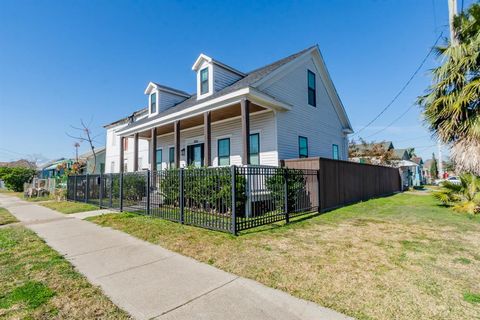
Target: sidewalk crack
(196,298)
(134,267)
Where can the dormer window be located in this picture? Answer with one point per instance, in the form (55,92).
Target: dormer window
(153,103)
(204,81)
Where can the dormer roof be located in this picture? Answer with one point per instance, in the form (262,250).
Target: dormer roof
(203,57)
(153,85)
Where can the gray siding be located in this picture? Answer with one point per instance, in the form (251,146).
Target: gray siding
(223,77)
(167,100)
(320,124)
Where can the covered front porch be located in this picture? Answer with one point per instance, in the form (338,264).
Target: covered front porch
(238,133)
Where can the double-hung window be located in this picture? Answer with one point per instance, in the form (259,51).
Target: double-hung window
(335,152)
(153,103)
(302,147)
(224,152)
(171,157)
(204,81)
(312,89)
(159,160)
(255,148)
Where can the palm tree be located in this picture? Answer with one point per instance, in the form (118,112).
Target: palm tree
(464,197)
(451,106)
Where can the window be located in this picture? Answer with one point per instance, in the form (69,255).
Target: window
(312,91)
(102,167)
(140,165)
(224,152)
(335,151)
(125,166)
(302,147)
(255,148)
(159,160)
(125,144)
(171,156)
(112,167)
(153,103)
(204,81)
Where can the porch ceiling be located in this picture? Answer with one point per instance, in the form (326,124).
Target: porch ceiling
(197,120)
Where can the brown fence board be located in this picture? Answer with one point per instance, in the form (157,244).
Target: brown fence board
(344,182)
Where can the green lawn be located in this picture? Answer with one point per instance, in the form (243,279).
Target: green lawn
(401,257)
(69,207)
(37,283)
(6,217)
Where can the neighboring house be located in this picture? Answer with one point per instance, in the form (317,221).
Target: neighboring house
(408,172)
(401,154)
(53,169)
(287,109)
(91,166)
(418,178)
(112,154)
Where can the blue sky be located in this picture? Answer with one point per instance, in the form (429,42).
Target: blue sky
(61,61)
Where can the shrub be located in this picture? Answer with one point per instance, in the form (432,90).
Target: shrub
(134,186)
(208,189)
(15,177)
(168,186)
(295,188)
(463,197)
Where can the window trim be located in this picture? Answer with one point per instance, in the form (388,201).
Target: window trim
(206,82)
(229,151)
(250,148)
(150,102)
(335,146)
(300,155)
(314,89)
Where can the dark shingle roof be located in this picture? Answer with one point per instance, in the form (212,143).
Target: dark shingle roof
(244,82)
(161,86)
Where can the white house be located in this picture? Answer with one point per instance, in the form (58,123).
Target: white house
(287,109)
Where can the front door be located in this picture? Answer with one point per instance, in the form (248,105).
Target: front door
(195,155)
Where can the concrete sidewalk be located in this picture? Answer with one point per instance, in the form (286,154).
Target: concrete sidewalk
(151,282)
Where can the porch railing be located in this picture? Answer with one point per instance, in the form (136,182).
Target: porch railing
(229,199)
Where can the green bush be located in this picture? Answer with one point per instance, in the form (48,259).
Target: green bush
(169,186)
(15,177)
(204,188)
(463,197)
(295,189)
(134,186)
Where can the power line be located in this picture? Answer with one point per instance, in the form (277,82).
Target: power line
(410,139)
(391,123)
(404,86)
(14,152)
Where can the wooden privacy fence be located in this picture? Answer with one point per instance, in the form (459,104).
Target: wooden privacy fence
(344,182)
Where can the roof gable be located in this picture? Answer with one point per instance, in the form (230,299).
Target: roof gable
(298,59)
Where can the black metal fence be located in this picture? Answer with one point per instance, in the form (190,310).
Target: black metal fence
(228,199)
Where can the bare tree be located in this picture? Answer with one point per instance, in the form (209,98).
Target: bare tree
(373,152)
(85,135)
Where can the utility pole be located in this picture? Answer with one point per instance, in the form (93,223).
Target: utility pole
(76,145)
(452,12)
(440,163)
